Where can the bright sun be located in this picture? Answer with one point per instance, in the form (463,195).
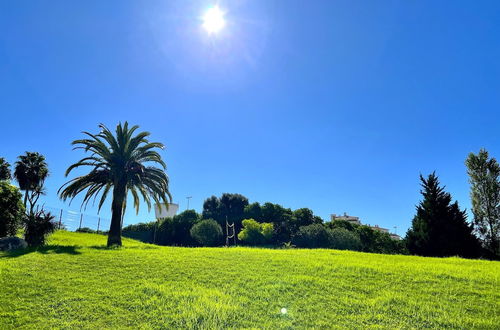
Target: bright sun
(213,20)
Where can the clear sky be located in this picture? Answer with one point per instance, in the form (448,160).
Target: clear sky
(333,105)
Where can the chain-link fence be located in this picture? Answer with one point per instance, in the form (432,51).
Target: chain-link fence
(73,220)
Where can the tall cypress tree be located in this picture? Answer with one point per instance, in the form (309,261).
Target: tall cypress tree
(440,228)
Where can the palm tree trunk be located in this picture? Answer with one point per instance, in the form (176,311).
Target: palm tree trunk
(115,229)
(25,197)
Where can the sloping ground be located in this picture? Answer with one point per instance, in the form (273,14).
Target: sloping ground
(76,282)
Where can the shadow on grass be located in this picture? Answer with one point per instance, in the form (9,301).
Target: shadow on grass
(47,249)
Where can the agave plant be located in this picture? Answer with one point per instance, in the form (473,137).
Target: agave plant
(118,163)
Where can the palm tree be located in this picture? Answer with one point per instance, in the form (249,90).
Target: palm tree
(118,162)
(30,172)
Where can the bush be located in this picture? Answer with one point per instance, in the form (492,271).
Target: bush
(11,209)
(86,230)
(313,236)
(207,232)
(343,239)
(255,233)
(37,226)
(144,232)
(267,231)
(176,230)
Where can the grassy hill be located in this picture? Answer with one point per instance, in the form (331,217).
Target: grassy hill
(77,282)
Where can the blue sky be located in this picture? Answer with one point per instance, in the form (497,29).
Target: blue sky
(332,105)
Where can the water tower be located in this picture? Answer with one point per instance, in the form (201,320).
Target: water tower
(162,211)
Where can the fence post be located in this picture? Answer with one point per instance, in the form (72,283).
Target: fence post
(81,217)
(98,223)
(60,219)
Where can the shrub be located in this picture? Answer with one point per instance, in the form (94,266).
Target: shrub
(255,233)
(207,232)
(341,224)
(176,230)
(144,232)
(267,231)
(37,226)
(86,230)
(343,239)
(313,236)
(11,209)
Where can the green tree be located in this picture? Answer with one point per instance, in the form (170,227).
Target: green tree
(281,218)
(255,233)
(230,207)
(4,170)
(440,228)
(30,172)
(233,207)
(212,209)
(313,236)
(343,239)
(11,209)
(303,217)
(253,211)
(207,232)
(119,163)
(484,174)
(176,230)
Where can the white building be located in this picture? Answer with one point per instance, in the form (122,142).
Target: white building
(162,211)
(345,217)
(356,221)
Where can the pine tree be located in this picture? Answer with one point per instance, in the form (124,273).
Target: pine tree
(440,228)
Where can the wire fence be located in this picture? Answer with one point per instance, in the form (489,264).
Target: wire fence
(73,220)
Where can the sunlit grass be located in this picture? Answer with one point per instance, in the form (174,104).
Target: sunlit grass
(77,282)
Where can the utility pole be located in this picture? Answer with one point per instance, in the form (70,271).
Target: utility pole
(188,198)
(395,230)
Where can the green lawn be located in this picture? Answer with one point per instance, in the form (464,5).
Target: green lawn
(76,282)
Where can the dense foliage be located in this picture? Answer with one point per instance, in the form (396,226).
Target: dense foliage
(313,236)
(229,207)
(343,239)
(207,233)
(484,177)
(176,230)
(440,228)
(145,232)
(4,170)
(255,233)
(11,209)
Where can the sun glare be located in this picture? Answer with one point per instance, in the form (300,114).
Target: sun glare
(213,20)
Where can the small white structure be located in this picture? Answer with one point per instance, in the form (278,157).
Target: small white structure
(162,211)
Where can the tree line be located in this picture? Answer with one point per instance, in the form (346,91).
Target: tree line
(257,224)
(440,228)
(122,162)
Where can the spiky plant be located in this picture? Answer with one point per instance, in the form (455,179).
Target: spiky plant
(119,163)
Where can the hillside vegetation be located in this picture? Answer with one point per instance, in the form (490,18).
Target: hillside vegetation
(76,281)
